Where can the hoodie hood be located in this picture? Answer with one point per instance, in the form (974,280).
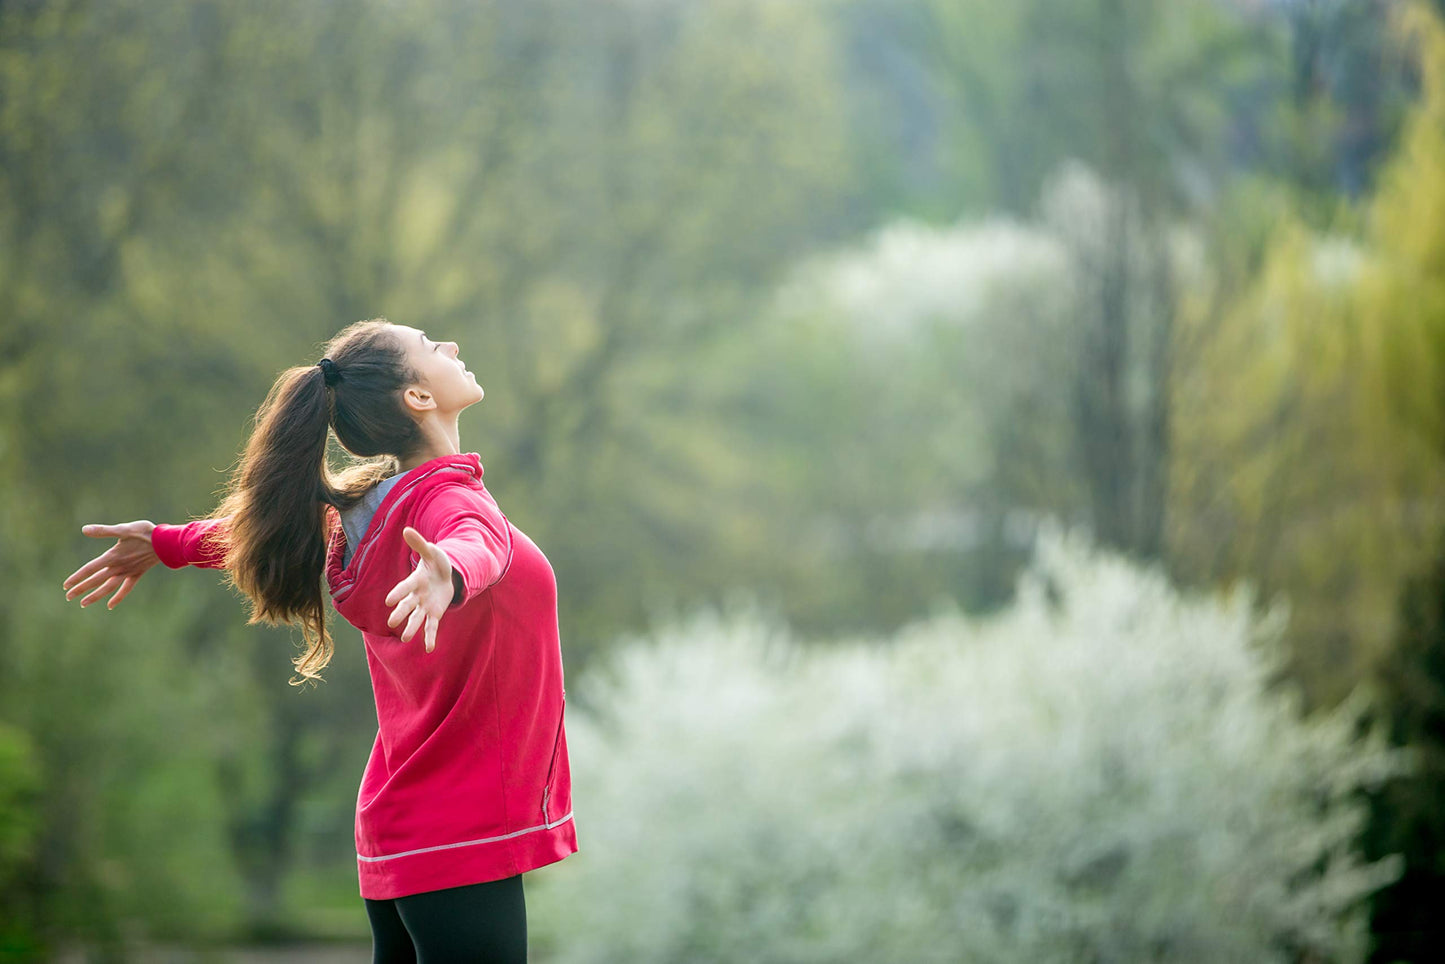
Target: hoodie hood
(381,558)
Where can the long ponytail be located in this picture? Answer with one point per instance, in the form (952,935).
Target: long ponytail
(279,497)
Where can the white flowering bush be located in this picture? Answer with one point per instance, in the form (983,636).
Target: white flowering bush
(1100,773)
(908,276)
(948,362)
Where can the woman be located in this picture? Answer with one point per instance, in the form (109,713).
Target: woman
(468,784)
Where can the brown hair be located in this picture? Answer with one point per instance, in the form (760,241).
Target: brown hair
(277,496)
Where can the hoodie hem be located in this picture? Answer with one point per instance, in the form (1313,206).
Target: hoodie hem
(457,865)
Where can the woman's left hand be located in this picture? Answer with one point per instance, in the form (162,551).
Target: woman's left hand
(423,597)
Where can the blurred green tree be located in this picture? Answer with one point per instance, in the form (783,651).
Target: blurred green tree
(1400,345)
(197,193)
(1138,91)
(19,823)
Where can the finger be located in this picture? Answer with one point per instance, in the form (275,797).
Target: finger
(101,574)
(89,583)
(431,633)
(403,609)
(418,616)
(109,585)
(121,593)
(99,562)
(402,589)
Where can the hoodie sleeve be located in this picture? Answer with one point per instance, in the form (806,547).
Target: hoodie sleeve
(474,535)
(199,543)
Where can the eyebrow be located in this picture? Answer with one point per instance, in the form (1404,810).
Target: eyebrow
(423,336)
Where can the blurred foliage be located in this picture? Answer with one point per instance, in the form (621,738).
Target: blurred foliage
(1101,772)
(827,305)
(1401,340)
(1136,89)
(19,824)
(971,106)
(1281,474)
(581,191)
(1406,813)
(1321,481)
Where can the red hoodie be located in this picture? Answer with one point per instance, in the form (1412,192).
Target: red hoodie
(468,779)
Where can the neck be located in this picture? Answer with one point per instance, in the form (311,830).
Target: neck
(439,438)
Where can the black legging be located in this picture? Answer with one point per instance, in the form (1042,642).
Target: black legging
(476,924)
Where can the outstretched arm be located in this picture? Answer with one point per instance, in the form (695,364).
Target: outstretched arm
(139,546)
(461,551)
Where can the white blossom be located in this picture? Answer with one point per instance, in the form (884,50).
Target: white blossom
(1102,772)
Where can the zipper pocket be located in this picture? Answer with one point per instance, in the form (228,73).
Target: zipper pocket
(552,766)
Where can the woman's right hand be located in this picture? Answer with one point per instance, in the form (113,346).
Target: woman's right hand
(120,565)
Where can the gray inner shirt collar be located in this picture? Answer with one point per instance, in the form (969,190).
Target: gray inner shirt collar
(356,520)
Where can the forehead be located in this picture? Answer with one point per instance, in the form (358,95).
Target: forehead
(409,334)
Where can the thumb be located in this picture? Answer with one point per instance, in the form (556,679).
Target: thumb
(103,532)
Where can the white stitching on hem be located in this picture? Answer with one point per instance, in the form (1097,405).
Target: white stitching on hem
(468,843)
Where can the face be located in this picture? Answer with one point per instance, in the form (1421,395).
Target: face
(445,383)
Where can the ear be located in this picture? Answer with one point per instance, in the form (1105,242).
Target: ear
(418,399)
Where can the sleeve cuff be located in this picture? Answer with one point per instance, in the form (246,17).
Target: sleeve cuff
(166,541)
(473,582)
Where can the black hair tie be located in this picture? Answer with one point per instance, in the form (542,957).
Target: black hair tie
(329,369)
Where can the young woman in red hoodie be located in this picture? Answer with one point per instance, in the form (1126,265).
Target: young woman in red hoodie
(468,784)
